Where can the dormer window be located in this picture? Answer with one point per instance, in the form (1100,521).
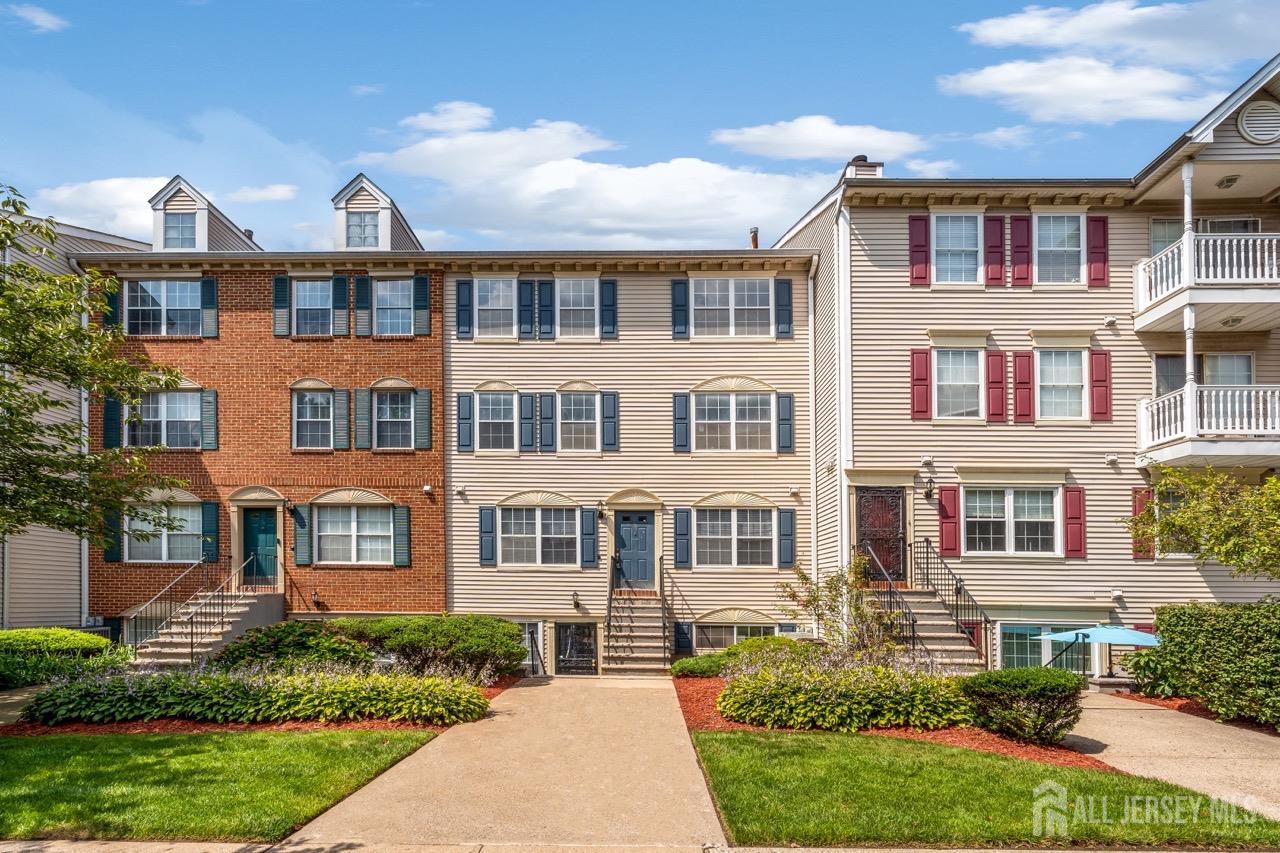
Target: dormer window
(362,229)
(180,230)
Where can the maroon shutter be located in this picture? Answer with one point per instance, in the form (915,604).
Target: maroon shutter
(1098,251)
(1073,522)
(997,387)
(921,387)
(1099,385)
(1145,627)
(1143,549)
(918,239)
(949,521)
(1020,250)
(1024,388)
(993,249)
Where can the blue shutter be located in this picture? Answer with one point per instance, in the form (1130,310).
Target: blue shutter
(588,539)
(680,309)
(112,422)
(364,306)
(462,310)
(209,531)
(782,319)
(363,403)
(547,423)
(525,309)
(208,307)
(609,420)
(608,308)
(341,419)
(422,419)
(547,310)
(528,423)
(684,638)
(421,305)
(280,306)
(301,534)
(488,536)
(341,297)
(786,423)
(111,545)
(683,522)
(786,538)
(400,549)
(111,316)
(208,420)
(680,423)
(466,425)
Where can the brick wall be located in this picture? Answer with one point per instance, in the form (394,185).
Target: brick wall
(252,370)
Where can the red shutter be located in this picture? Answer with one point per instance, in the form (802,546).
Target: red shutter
(997,387)
(1143,549)
(1073,521)
(993,249)
(921,387)
(918,239)
(1020,250)
(1098,251)
(1024,388)
(1145,627)
(1099,385)
(949,521)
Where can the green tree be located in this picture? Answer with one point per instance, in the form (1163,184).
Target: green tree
(842,605)
(46,340)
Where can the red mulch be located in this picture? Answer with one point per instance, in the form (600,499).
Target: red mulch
(1196,708)
(491,692)
(698,704)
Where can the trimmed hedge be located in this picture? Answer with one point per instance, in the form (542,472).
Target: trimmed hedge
(715,663)
(24,670)
(292,645)
(51,641)
(1035,704)
(255,697)
(476,643)
(699,666)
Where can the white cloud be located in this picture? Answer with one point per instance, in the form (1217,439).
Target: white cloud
(115,205)
(435,238)
(451,117)
(270,192)
(1017,136)
(932,168)
(41,20)
(360,90)
(819,137)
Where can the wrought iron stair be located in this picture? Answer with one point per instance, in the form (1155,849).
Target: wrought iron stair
(952,609)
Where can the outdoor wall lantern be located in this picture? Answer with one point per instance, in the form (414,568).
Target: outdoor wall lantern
(928,489)
(577,602)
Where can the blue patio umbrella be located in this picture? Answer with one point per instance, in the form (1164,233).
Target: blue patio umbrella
(1115,635)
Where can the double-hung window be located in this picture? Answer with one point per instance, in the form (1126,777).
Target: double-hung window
(733,421)
(162,308)
(353,534)
(579,421)
(1011,521)
(393,307)
(496,421)
(958,388)
(179,545)
(1060,379)
(362,229)
(732,306)
(1164,233)
(179,230)
(956,250)
(1059,248)
(313,420)
(734,537)
(393,420)
(1215,368)
(313,307)
(577,304)
(165,419)
(496,307)
(545,536)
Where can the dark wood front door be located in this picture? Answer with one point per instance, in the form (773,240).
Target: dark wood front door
(635,550)
(882,526)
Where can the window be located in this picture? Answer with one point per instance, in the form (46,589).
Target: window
(162,308)
(722,636)
(165,419)
(1227,225)
(313,307)
(1034,512)
(495,307)
(1234,368)
(579,427)
(393,420)
(362,229)
(313,419)
(733,537)
(1164,233)
(1020,646)
(1058,249)
(545,536)
(179,230)
(497,421)
(576,300)
(1061,383)
(958,387)
(955,248)
(733,421)
(353,534)
(393,307)
(180,545)
(725,306)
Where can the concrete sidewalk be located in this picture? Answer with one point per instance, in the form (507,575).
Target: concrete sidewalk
(590,761)
(1223,761)
(12,702)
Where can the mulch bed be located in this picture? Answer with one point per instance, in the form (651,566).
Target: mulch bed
(698,704)
(1196,708)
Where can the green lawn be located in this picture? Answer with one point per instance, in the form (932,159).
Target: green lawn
(243,786)
(819,789)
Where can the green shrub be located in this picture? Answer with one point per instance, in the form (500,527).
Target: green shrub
(470,642)
(758,645)
(699,666)
(244,697)
(51,641)
(26,669)
(291,645)
(1036,704)
(1154,673)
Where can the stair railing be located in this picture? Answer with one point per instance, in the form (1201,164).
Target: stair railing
(902,621)
(210,612)
(154,616)
(970,619)
(614,568)
(662,608)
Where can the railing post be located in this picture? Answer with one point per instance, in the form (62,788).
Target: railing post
(1144,423)
(1188,227)
(1191,410)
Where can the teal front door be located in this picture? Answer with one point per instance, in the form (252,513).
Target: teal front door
(259,546)
(635,549)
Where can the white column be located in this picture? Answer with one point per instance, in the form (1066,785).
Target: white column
(1190,409)
(1188,227)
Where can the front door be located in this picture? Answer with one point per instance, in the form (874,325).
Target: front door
(259,524)
(635,549)
(882,527)
(575,648)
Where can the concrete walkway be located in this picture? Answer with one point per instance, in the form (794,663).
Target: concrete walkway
(589,761)
(1225,762)
(12,702)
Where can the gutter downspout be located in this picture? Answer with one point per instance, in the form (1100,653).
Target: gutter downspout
(813,420)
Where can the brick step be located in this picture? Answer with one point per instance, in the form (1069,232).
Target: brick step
(635,669)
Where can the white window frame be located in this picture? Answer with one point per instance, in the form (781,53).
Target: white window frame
(294,308)
(296,394)
(163,537)
(733,422)
(595,335)
(164,421)
(1085,414)
(377,229)
(164,307)
(574,513)
(979,276)
(374,307)
(737,634)
(354,535)
(560,423)
(374,420)
(1046,646)
(534,661)
(1202,356)
(515,422)
(513,328)
(1035,250)
(1203,222)
(982,384)
(195,226)
(733,324)
(773,546)
(1009,538)
(1151,231)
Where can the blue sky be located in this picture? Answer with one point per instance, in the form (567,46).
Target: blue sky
(587,124)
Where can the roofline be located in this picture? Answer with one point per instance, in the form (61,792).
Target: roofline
(1126,183)
(82,231)
(829,198)
(347,258)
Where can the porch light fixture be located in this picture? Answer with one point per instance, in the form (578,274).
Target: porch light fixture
(577,602)
(1226,182)
(928,489)
(1232,322)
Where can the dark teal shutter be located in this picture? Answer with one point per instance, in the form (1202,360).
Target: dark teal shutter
(111,316)
(112,422)
(547,310)
(400,549)
(782,319)
(680,423)
(609,420)
(341,297)
(528,423)
(547,423)
(680,309)
(608,308)
(684,638)
(422,419)
(209,531)
(111,547)
(208,307)
(301,534)
(588,539)
(208,420)
(421,305)
(364,306)
(341,419)
(682,520)
(280,306)
(466,426)
(786,538)
(462,310)
(364,416)
(524,309)
(786,423)
(488,536)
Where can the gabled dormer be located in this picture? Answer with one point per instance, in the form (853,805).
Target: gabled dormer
(185,221)
(366,219)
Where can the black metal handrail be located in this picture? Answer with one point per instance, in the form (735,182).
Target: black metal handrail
(614,566)
(902,621)
(148,620)
(211,610)
(932,571)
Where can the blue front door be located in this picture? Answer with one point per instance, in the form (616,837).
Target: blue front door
(259,525)
(635,549)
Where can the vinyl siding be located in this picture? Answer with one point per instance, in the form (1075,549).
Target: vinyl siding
(225,238)
(401,239)
(180,202)
(1229,144)
(362,199)
(43,579)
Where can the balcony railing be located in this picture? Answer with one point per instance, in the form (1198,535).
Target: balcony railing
(1208,411)
(1220,259)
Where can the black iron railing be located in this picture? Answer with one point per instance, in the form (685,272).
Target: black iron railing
(209,612)
(149,619)
(930,570)
(902,622)
(615,565)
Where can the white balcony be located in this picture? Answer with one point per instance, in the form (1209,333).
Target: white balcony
(1233,278)
(1220,425)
